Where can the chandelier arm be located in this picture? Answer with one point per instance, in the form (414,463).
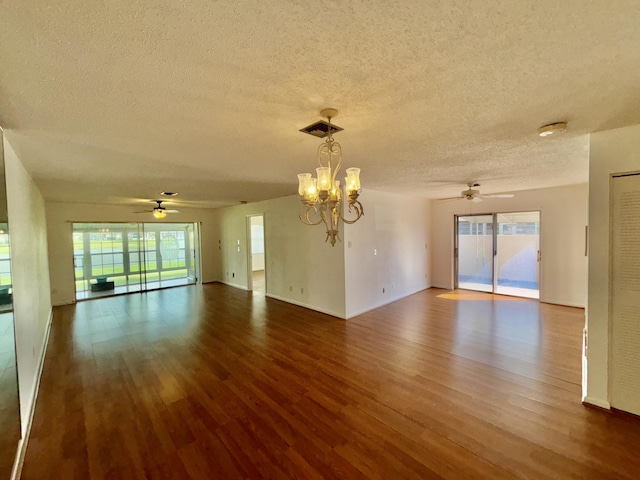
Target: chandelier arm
(359,209)
(306,219)
(323,150)
(336,150)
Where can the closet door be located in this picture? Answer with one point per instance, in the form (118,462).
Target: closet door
(624,383)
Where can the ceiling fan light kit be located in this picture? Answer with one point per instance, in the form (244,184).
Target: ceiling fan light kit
(159,211)
(322,196)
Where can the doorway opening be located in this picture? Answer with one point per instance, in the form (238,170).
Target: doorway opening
(498,253)
(256,255)
(115,258)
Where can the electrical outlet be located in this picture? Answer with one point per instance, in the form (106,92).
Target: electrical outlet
(382,289)
(233,275)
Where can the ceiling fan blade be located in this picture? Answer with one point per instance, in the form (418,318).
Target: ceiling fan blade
(476,199)
(172,211)
(498,195)
(445,200)
(144,211)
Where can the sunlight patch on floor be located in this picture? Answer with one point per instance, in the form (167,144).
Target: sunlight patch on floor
(470,295)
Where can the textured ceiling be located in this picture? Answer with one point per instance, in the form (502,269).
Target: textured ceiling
(114,101)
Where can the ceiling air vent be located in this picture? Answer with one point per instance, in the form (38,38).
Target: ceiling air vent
(320,129)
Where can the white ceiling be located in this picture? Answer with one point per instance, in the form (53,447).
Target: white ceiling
(114,101)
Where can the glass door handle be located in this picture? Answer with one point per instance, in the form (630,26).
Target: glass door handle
(539,256)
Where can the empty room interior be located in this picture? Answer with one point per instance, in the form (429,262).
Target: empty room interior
(340,240)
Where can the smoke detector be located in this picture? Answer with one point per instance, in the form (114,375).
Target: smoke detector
(552,129)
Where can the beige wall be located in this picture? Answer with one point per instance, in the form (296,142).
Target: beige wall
(343,280)
(613,151)
(562,238)
(30,275)
(300,267)
(60,217)
(386,253)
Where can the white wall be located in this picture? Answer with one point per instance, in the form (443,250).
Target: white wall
(563,269)
(384,252)
(30,275)
(60,217)
(300,267)
(613,151)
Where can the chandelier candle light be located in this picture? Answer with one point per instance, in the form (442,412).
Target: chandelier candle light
(322,196)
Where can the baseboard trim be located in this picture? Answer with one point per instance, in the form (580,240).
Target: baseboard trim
(305,305)
(26,431)
(235,285)
(16,472)
(61,304)
(594,402)
(564,304)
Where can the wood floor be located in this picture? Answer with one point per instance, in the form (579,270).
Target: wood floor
(258,281)
(212,382)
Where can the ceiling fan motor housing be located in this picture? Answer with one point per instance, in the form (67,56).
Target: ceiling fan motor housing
(470,194)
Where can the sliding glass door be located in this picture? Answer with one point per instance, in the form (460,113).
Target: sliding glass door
(518,254)
(113,258)
(474,247)
(498,253)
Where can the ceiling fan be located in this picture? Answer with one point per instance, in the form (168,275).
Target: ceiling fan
(159,211)
(475,196)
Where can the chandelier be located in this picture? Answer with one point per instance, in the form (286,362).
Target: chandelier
(322,196)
